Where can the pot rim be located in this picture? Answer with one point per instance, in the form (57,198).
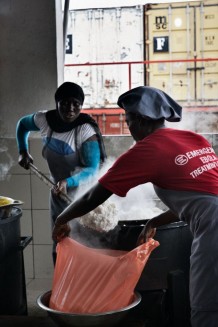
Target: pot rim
(135,302)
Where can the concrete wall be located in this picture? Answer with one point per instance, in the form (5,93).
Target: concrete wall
(31,60)
(31,68)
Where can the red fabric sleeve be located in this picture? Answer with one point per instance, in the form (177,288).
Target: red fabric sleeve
(130,169)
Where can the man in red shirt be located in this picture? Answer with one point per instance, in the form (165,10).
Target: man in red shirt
(183,168)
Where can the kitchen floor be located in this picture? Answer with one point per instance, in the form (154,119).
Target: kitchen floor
(35,288)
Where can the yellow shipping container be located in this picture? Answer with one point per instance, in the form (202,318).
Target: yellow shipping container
(182,39)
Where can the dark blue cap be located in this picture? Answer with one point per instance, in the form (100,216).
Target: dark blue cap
(150,103)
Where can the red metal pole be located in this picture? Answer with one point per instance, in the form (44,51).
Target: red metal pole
(130,76)
(142,62)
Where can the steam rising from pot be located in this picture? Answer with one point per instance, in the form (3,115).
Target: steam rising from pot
(6,163)
(138,204)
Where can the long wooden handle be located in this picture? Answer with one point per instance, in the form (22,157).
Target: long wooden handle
(48,182)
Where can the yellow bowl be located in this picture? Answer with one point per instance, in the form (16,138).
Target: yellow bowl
(5,201)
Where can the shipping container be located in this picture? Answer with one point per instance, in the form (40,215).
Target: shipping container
(173,47)
(111,121)
(199,119)
(105,35)
(182,32)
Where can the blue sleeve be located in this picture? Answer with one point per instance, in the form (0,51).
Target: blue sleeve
(24,126)
(91,158)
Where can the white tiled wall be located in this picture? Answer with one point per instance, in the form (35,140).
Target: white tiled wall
(23,185)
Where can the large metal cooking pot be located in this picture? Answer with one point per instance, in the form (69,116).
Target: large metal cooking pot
(106,319)
(173,253)
(6,206)
(12,275)
(164,282)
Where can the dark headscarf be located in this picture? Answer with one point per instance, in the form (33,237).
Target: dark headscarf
(59,126)
(69,90)
(151,103)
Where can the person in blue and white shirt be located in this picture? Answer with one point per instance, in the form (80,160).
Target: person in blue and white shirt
(72,144)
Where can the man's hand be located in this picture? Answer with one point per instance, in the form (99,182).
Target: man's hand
(146,233)
(60,232)
(25,159)
(60,187)
(149,230)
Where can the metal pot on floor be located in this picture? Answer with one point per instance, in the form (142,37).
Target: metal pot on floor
(12,275)
(106,319)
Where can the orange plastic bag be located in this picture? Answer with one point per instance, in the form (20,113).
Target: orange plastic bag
(88,280)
